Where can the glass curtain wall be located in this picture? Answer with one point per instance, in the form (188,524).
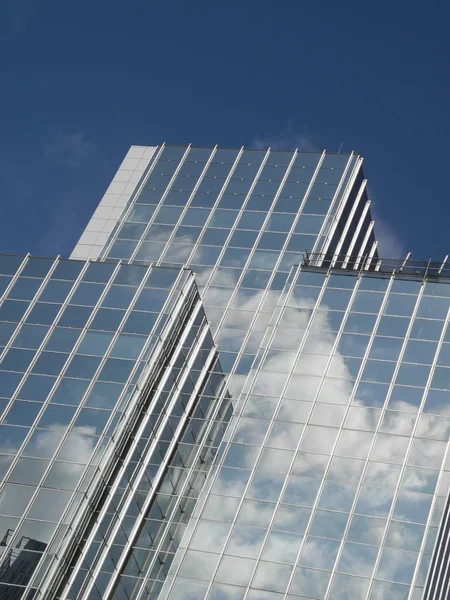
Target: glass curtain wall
(333,478)
(108,383)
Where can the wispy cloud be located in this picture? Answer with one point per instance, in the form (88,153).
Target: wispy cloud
(287,139)
(68,150)
(389,243)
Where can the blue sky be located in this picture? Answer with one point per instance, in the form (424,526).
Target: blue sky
(82,81)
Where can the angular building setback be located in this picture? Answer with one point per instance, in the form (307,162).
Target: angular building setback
(113,405)
(274,428)
(239,219)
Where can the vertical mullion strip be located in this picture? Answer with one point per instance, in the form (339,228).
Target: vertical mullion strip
(340,210)
(358,228)
(438,571)
(370,256)
(349,222)
(360,253)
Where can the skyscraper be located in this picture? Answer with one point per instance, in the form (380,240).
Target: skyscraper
(330,480)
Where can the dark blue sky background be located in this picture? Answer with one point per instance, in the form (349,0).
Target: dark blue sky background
(82,81)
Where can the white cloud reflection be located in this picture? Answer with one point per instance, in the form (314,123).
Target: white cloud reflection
(327,405)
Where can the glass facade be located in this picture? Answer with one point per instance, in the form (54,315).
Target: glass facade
(333,477)
(240,219)
(112,408)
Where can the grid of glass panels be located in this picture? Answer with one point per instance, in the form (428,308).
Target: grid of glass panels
(332,481)
(76,341)
(239,219)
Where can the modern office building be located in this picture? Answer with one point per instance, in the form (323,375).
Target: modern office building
(291,445)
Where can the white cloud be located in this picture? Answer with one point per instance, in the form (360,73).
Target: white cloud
(389,243)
